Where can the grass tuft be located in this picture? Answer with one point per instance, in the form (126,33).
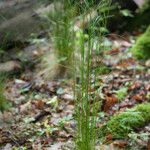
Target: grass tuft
(86,107)
(3,102)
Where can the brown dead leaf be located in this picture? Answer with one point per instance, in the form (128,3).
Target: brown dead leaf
(106,147)
(147,87)
(109,137)
(138,97)
(109,102)
(135,85)
(113,51)
(120,143)
(25,107)
(127,62)
(39,104)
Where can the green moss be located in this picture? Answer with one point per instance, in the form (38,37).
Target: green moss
(102,70)
(145,109)
(142,47)
(122,124)
(145,7)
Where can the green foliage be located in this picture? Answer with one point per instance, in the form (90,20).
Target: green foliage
(126,13)
(85,111)
(61,33)
(145,7)
(145,111)
(121,93)
(64,120)
(72,46)
(3,101)
(19,148)
(142,47)
(122,124)
(102,70)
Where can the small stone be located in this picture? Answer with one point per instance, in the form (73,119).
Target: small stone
(37,97)
(8,147)
(68,97)
(147,63)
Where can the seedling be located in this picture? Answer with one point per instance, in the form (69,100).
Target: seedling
(121,93)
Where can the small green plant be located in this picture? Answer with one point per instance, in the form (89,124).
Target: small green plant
(142,47)
(122,124)
(121,93)
(64,120)
(126,13)
(3,101)
(103,70)
(62,35)
(19,148)
(145,7)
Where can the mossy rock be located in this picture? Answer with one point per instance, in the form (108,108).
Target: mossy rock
(120,125)
(141,49)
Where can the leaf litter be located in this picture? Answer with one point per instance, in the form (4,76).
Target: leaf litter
(42,112)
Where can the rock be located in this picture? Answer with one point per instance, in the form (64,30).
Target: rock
(8,146)
(147,63)
(140,3)
(68,97)
(18,19)
(10,66)
(55,146)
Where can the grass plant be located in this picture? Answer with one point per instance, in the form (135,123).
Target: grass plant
(86,107)
(3,101)
(75,49)
(62,35)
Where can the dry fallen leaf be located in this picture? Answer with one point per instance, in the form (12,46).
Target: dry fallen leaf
(138,97)
(120,143)
(39,104)
(109,102)
(113,51)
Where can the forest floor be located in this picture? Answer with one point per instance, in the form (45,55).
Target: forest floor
(42,112)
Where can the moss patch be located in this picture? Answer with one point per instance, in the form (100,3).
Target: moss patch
(102,70)
(141,50)
(122,124)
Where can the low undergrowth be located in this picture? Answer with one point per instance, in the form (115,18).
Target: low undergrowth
(3,101)
(120,125)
